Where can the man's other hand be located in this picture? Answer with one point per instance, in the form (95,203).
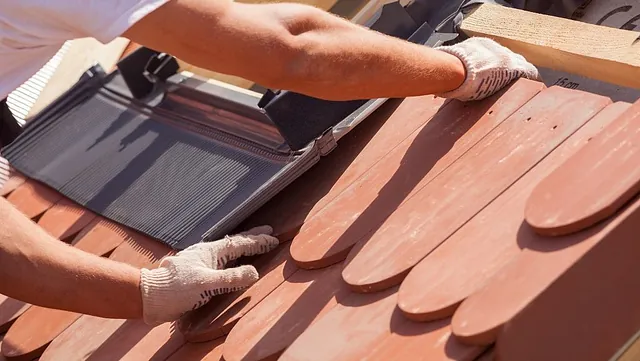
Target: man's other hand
(190,279)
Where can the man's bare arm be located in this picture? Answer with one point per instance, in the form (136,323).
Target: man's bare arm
(296,47)
(38,269)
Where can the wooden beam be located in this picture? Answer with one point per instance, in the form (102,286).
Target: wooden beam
(594,51)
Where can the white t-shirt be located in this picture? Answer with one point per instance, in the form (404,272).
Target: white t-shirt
(32,31)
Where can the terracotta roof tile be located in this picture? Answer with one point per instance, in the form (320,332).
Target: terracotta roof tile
(370,327)
(135,341)
(428,293)
(33,331)
(271,326)
(10,310)
(426,220)
(33,198)
(447,134)
(421,182)
(557,207)
(203,351)
(536,268)
(589,311)
(65,219)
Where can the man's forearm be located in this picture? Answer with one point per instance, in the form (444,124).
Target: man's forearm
(297,47)
(38,269)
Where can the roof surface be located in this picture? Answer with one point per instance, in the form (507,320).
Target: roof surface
(408,242)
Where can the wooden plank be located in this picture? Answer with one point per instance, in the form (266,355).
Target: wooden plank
(597,52)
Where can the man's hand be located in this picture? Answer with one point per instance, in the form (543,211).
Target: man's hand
(490,67)
(192,277)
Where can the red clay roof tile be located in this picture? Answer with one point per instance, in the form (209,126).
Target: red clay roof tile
(271,326)
(203,351)
(426,220)
(10,310)
(33,198)
(136,341)
(558,207)
(540,264)
(589,311)
(448,133)
(33,331)
(65,219)
(100,237)
(370,327)
(429,292)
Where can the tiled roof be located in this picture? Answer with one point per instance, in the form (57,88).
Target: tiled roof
(408,242)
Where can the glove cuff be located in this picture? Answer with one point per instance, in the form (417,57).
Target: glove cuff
(471,74)
(155,286)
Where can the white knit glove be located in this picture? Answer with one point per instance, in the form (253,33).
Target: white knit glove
(194,275)
(490,67)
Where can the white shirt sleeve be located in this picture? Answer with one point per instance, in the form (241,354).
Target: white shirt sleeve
(34,23)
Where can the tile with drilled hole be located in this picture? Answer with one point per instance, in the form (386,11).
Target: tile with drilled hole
(327,238)
(593,184)
(31,338)
(590,310)
(357,152)
(202,351)
(271,326)
(426,220)
(369,327)
(65,219)
(218,317)
(428,293)
(33,198)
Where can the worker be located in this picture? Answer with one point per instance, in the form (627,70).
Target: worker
(282,46)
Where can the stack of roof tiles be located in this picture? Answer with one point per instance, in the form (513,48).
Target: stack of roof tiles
(438,230)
